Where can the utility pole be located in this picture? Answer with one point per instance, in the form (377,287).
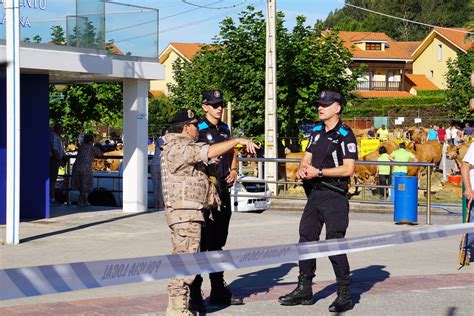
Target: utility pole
(271,124)
(12,30)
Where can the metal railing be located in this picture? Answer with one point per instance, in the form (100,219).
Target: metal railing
(374,85)
(260,162)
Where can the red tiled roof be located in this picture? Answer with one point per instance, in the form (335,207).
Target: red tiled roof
(410,47)
(384,94)
(188,50)
(420,82)
(394,51)
(155,93)
(457,37)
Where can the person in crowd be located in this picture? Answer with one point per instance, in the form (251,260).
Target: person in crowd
(371,133)
(223,174)
(325,169)
(455,135)
(56,155)
(467,132)
(82,178)
(432,133)
(467,174)
(383,171)
(401,155)
(188,193)
(155,170)
(441,134)
(382,133)
(80,137)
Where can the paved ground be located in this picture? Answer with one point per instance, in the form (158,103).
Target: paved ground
(419,278)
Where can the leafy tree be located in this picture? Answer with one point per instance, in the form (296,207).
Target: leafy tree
(37,39)
(57,35)
(459,90)
(87,106)
(435,12)
(160,109)
(307,62)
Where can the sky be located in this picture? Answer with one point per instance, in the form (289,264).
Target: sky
(178,21)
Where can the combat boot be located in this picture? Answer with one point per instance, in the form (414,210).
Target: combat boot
(303,294)
(343,301)
(178,306)
(196,302)
(221,293)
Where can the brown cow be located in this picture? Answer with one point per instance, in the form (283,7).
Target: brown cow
(390,145)
(291,168)
(430,151)
(418,135)
(113,164)
(457,153)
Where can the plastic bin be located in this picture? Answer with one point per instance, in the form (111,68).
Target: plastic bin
(406,200)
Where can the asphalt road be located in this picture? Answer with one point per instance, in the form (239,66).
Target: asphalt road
(419,278)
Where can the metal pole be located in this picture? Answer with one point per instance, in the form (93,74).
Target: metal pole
(428,197)
(271,140)
(12,30)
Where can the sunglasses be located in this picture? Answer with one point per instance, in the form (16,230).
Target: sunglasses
(215,106)
(194,123)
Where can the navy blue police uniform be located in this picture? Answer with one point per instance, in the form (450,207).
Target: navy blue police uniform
(327,196)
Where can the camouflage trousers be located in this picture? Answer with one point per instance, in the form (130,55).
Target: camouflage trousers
(185,238)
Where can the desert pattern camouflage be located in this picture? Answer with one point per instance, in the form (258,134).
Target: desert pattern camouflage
(186,186)
(185,238)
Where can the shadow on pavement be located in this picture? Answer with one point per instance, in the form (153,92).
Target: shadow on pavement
(256,282)
(362,281)
(67,230)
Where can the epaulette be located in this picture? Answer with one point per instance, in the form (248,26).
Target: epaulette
(318,127)
(202,125)
(343,130)
(224,126)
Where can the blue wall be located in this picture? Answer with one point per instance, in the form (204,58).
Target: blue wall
(3,146)
(34,150)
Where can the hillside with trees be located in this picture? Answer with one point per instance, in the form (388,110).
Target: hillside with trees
(453,13)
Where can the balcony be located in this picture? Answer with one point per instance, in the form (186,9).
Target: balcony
(372,85)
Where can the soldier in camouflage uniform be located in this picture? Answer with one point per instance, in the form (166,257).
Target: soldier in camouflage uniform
(187,193)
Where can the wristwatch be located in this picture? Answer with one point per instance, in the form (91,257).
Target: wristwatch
(320,173)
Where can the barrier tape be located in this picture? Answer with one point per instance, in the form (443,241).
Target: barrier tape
(58,278)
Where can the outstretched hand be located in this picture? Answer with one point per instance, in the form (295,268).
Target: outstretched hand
(250,146)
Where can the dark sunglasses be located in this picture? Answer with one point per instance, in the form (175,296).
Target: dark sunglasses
(194,123)
(324,105)
(215,106)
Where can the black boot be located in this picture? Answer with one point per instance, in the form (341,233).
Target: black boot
(221,293)
(343,301)
(303,294)
(196,302)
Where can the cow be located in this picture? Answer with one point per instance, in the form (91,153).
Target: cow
(457,153)
(291,168)
(418,135)
(113,164)
(430,151)
(390,145)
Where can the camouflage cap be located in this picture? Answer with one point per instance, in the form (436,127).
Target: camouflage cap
(183,117)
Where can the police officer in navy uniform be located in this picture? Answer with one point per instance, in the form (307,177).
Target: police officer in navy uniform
(325,169)
(223,173)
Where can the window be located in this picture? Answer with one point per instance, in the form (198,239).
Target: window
(373,46)
(440,52)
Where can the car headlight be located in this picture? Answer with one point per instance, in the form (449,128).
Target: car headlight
(239,187)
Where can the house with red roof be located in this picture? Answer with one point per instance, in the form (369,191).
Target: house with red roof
(168,56)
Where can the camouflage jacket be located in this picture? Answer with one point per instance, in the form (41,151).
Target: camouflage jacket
(186,186)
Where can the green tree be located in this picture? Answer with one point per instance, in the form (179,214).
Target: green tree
(57,35)
(459,90)
(307,61)
(160,109)
(454,13)
(87,106)
(37,39)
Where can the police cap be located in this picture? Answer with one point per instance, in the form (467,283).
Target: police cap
(183,117)
(328,97)
(212,97)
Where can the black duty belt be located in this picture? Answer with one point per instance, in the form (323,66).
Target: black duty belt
(333,184)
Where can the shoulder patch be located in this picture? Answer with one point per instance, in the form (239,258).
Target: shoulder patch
(224,126)
(318,127)
(202,125)
(344,132)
